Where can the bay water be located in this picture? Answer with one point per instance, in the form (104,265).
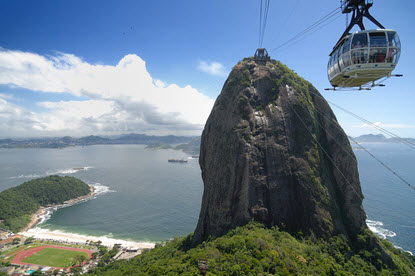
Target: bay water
(144,198)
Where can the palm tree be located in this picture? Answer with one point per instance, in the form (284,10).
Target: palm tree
(78,259)
(95,255)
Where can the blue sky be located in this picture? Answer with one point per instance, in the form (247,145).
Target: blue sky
(106,67)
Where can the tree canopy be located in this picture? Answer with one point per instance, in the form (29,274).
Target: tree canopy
(256,250)
(18,203)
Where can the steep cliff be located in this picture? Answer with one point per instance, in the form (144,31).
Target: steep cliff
(272,151)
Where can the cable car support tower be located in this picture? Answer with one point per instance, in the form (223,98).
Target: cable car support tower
(360,9)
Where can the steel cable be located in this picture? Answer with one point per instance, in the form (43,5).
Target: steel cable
(314,25)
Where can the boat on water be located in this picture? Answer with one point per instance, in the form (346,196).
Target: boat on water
(178,160)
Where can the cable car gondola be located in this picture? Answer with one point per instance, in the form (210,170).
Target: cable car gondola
(361,59)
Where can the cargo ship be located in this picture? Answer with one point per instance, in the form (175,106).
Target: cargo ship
(178,160)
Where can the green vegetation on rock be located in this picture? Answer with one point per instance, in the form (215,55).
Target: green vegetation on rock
(255,250)
(18,203)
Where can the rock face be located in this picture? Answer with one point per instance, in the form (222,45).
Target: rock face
(272,151)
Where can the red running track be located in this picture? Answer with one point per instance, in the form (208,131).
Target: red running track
(26,253)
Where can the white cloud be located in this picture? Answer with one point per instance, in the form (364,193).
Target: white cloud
(379,124)
(6,96)
(122,98)
(159,83)
(14,119)
(213,68)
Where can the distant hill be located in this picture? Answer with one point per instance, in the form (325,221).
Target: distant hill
(379,138)
(159,145)
(18,203)
(193,147)
(67,141)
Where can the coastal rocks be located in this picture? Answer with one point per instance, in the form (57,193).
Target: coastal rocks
(272,151)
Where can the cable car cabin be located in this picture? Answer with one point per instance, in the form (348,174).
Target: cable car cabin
(363,57)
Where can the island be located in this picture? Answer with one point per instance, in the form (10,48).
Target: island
(158,145)
(21,205)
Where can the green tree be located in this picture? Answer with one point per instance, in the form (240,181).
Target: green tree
(37,273)
(103,250)
(77,260)
(106,257)
(18,203)
(29,240)
(256,250)
(16,240)
(7,263)
(76,270)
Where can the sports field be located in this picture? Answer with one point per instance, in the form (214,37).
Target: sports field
(54,256)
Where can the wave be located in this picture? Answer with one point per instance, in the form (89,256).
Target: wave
(99,189)
(400,248)
(69,171)
(377,228)
(108,240)
(26,176)
(63,171)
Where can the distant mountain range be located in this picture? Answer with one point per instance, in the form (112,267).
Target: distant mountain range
(67,141)
(190,144)
(379,138)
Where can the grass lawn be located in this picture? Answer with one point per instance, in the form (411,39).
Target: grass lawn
(14,251)
(10,258)
(54,257)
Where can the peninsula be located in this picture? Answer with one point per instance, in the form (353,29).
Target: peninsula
(20,206)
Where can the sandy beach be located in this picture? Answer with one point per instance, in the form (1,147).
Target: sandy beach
(37,217)
(45,234)
(38,233)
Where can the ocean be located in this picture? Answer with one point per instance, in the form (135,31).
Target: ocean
(144,198)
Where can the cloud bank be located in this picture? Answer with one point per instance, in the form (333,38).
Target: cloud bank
(121,98)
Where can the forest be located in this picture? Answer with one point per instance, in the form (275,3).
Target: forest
(17,204)
(256,250)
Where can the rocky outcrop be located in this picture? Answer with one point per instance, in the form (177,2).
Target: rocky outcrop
(272,151)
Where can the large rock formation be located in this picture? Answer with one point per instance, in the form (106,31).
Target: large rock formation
(273,151)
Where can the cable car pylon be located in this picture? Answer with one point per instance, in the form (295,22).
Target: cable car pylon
(360,9)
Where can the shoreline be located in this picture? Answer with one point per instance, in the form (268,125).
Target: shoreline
(31,230)
(36,218)
(78,239)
